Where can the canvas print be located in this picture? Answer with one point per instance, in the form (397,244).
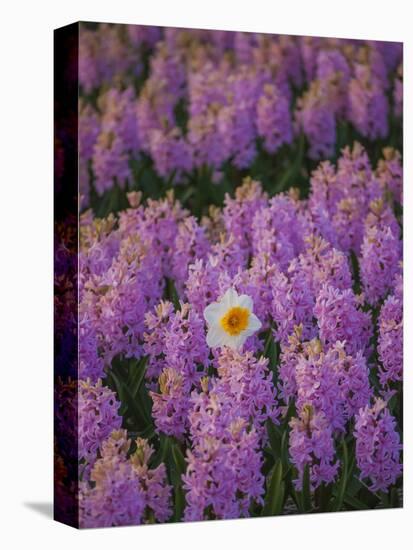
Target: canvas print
(228,264)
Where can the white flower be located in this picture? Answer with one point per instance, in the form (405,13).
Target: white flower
(231,320)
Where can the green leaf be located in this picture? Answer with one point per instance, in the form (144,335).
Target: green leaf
(384,498)
(134,405)
(147,433)
(355,503)
(338,502)
(145,402)
(136,375)
(306,492)
(324,494)
(284,448)
(163,453)
(353,485)
(179,459)
(291,412)
(274,437)
(179,469)
(172,294)
(179,503)
(268,341)
(274,499)
(394,498)
(295,495)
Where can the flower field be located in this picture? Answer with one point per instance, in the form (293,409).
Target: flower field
(240,291)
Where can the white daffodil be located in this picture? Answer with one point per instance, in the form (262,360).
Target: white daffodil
(231,320)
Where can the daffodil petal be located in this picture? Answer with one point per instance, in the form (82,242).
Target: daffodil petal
(212,313)
(217,335)
(245,301)
(238,341)
(214,337)
(230,298)
(254,323)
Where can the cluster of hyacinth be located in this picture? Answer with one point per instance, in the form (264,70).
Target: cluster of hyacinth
(190,99)
(377,446)
(124,490)
(223,475)
(324,275)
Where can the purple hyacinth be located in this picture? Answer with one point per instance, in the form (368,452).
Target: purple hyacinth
(247,383)
(124,491)
(340,318)
(278,229)
(391,52)
(244,44)
(291,351)
(371,56)
(368,104)
(227,256)
(99,245)
(239,212)
(90,62)
(359,186)
(398,92)
(321,263)
(312,445)
(89,127)
(256,282)
(292,305)
(223,475)
(382,216)
(170,153)
(119,116)
(309,48)
(91,364)
(205,139)
(315,117)
(355,175)
(116,498)
(390,343)
(390,174)
(98,417)
(201,287)
(191,244)
(154,110)
(273,119)
(325,190)
(332,382)
(176,340)
(117,299)
(167,67)
(153,483)
(377,446)
(140,35)
(171,403)
(157,223)
(379,262)
(117,139)
(333,69)
(207,97)
(291,56)
(110,162)
(236,118)
(156,323)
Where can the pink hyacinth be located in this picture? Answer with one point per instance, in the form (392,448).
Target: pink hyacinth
(377,446)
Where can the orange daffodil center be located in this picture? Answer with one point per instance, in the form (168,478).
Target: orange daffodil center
(230,320)
(235,320)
